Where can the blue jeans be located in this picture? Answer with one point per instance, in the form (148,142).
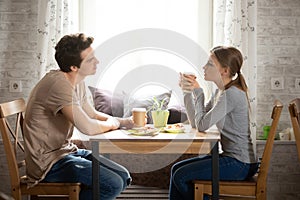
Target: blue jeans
(77,167)
(184,172)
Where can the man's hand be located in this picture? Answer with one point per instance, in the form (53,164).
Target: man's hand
(125,122)
(113,122)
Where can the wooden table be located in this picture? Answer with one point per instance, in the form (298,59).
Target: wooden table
(190,142)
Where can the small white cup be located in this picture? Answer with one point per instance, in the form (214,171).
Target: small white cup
(184,81)
(284,136)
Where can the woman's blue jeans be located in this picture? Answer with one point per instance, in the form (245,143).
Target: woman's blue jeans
(77,167)
(184,172)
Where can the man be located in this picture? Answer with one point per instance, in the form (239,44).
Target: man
(57,104)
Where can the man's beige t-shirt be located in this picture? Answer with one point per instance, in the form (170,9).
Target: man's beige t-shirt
(47,132)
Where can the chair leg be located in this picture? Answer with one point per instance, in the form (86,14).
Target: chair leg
(198,191)
(74,193)
(262,195)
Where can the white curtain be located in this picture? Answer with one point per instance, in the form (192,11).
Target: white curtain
(235,25)
(54,21)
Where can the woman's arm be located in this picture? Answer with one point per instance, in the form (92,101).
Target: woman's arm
(189,103)
(205,118)
(190,108)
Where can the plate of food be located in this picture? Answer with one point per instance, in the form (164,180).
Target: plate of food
(175,128)
(144,131)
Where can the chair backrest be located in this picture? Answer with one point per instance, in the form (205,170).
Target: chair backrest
(9,111)
(266,157)
(294,109)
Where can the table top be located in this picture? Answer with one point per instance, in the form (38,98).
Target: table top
(189,133)
(191,141)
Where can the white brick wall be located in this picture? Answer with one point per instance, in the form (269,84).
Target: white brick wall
(278,52)
(278,39)
(18,21)
(283,180)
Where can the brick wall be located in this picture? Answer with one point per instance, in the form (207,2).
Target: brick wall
(283,180)
(278,50)
(4,177)
(18,21)
(278,39)
(5,184)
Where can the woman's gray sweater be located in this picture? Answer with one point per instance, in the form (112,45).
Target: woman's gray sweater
(230,112)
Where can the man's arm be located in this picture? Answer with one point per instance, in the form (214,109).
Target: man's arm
(92,113)
(124,122)
(87,125)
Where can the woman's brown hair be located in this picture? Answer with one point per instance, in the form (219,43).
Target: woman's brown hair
(231,58)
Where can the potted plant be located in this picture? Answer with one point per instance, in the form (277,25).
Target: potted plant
(159,114)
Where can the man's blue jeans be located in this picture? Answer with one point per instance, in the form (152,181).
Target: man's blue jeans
(184,172)
(77,167)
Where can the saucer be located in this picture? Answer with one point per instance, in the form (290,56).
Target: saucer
(144,131)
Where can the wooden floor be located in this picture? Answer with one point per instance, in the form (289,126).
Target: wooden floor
(133,192)
(151,193)
(142,192)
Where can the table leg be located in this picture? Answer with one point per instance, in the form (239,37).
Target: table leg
(95,170)
(215,171)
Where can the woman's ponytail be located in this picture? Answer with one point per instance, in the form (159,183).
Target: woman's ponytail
(239,82)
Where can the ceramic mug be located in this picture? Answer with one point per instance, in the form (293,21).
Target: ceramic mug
(284,136)
(185,82)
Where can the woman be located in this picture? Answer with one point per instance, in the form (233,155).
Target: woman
(228,109)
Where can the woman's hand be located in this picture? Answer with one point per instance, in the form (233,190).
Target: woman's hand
(188,82)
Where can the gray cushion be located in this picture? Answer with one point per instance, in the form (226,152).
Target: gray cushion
(107,102)
(113,104)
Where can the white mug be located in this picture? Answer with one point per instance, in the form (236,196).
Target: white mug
(284,136)
(183,80)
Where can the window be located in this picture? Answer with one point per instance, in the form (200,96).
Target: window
(108,20)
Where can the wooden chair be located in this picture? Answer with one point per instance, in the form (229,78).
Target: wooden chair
(256,186)
(10,111)
(294,109)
